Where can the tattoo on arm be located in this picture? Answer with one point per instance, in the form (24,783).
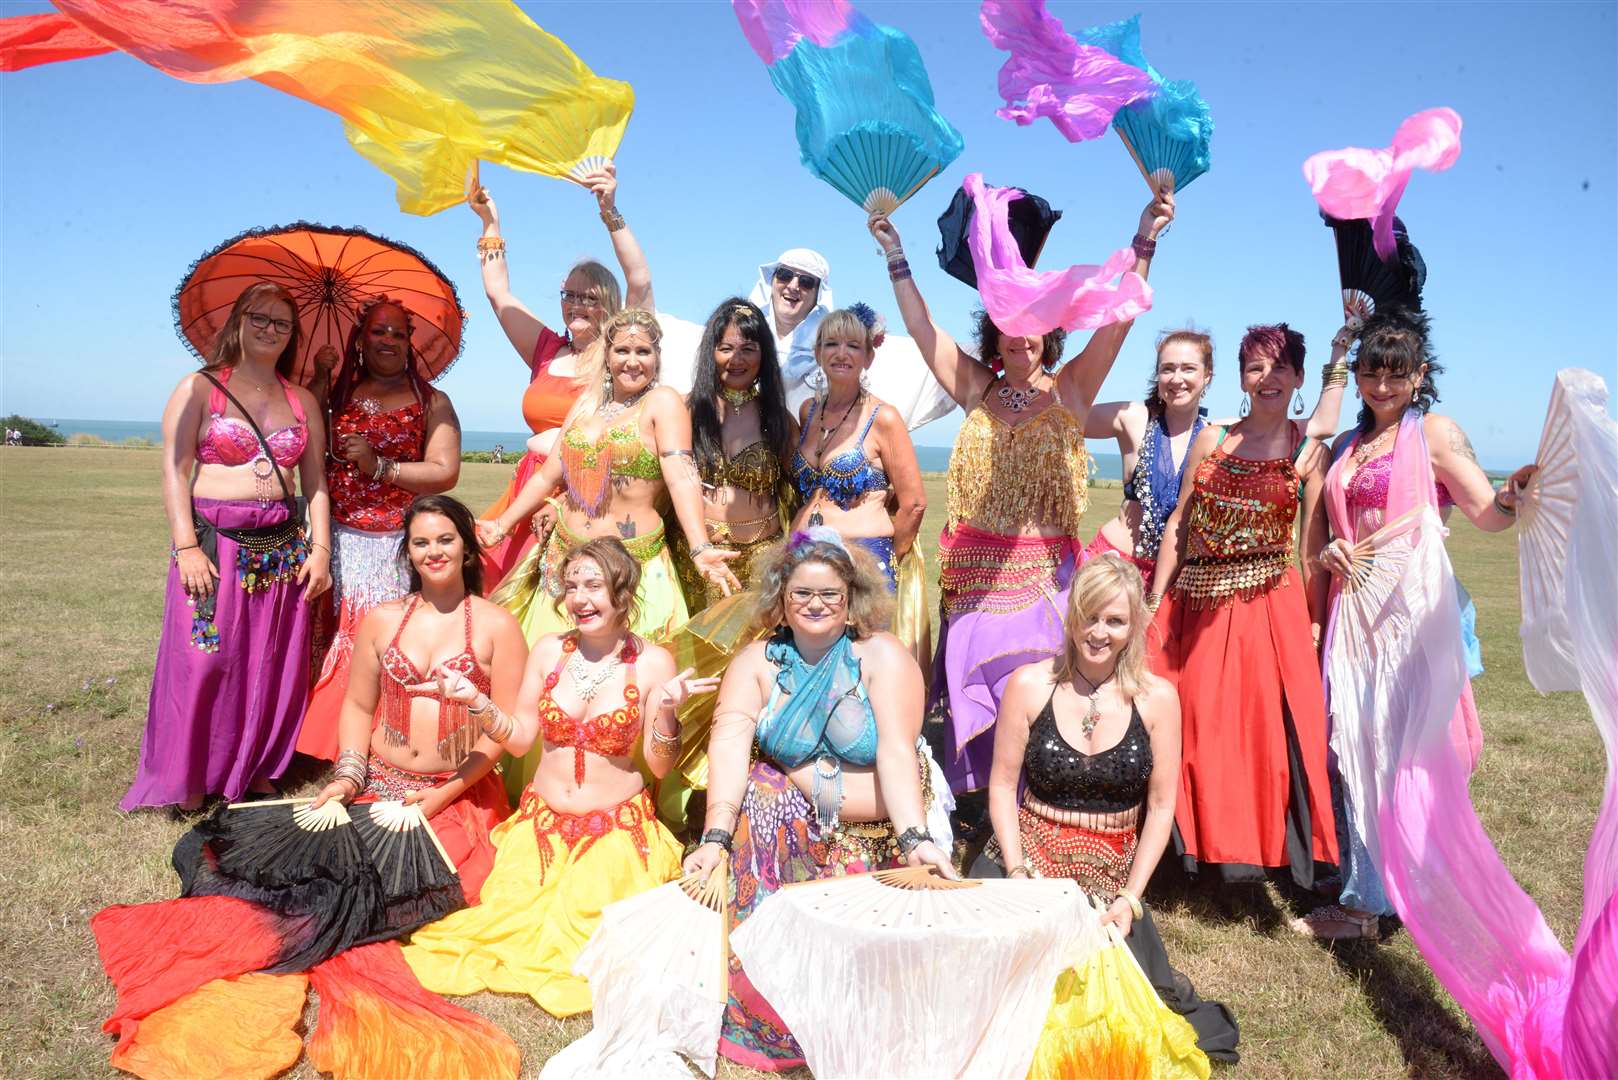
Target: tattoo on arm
(492,256)
(685,460)
(626,528)
(1460,444)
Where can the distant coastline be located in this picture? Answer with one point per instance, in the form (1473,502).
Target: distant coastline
(932,459)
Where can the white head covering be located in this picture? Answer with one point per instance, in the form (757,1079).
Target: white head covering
(798,358)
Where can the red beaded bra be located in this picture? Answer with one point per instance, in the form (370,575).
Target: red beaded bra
(456,731)
(610,734)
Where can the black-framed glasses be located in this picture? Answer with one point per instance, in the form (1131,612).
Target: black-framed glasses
(261,321)
(785,274)
(828,597)
(581,299)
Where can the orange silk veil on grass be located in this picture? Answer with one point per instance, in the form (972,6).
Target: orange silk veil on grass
(425,90)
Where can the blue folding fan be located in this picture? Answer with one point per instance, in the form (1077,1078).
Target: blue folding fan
(866,123)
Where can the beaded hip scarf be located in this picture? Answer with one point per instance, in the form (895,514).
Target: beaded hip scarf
(999,575)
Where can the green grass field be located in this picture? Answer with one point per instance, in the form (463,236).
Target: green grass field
(83,553)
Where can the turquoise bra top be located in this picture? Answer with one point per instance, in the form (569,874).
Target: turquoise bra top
(845,477)
(819,713)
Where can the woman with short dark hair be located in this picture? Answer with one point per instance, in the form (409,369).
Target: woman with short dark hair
(1239,627)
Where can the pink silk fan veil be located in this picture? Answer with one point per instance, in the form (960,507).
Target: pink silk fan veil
(1358,183)
(1543,1015)
(1025,301)
(1077,87)
(773,27)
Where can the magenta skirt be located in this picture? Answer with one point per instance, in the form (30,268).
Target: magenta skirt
(228,693)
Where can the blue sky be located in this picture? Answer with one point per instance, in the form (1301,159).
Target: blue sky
(115,177)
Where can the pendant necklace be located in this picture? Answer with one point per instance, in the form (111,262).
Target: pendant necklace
(1093,717)
(588,678)
(613,408)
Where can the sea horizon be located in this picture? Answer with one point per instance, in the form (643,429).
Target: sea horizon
(932,457)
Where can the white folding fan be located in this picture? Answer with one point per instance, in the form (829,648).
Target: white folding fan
(965,970)
(658,971)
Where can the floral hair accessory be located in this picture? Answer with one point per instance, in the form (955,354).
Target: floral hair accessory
(817,534)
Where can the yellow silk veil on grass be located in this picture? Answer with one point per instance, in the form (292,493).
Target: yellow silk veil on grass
(425,90)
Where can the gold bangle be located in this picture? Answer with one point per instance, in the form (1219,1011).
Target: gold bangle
(612,219)
(487,244)
(1134,902)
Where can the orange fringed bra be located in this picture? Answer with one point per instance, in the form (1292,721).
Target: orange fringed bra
(610,734)
(456,731)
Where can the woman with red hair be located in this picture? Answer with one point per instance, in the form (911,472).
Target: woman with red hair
(1238,626)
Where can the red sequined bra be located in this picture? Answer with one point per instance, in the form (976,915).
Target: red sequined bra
(456,731)
(610,734)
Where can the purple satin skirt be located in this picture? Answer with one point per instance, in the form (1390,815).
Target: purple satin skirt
(219,720)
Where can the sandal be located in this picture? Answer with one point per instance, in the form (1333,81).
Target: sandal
(1333,922)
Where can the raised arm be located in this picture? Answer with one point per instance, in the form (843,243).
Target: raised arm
(1025,694)
(1322,423)
(1457,468)
(904,473)
(1080,380)
(1171,549)
(522,326)
(631,260)
(963,378)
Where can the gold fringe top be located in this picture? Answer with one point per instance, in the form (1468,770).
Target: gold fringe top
(1003,479)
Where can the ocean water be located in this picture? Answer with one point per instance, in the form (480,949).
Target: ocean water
(933,459)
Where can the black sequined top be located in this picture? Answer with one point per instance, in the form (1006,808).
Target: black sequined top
(1069,779)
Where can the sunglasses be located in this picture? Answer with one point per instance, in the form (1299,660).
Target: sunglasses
(784,276)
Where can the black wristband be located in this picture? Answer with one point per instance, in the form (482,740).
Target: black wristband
(912,838)
(721,837)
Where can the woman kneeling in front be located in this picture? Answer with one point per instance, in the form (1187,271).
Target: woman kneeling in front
(586,833)
(1093,740)
(843,782)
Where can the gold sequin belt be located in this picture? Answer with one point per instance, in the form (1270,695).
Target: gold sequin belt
(1212,581)
(874,843)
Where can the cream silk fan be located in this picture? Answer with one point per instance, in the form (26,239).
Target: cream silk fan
(909,979)
(1393,658)
(1572,492)
(657,967)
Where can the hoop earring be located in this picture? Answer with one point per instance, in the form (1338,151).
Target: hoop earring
(1247,405)
(1297,403)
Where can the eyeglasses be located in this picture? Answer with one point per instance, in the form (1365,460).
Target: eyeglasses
(264,322)
(579,298)
(828,597)
(784,276)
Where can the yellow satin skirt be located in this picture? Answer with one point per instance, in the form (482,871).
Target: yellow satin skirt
(553,874)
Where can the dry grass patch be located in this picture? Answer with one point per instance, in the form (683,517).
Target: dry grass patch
(82,561)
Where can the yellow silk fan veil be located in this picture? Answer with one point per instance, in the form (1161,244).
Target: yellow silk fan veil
(425,90)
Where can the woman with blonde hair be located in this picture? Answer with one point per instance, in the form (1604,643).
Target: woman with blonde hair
(589,297)
(843,782)
(1092,740)
(624,450)
(854,451)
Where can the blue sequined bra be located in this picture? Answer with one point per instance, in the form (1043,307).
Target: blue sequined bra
(843,478)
